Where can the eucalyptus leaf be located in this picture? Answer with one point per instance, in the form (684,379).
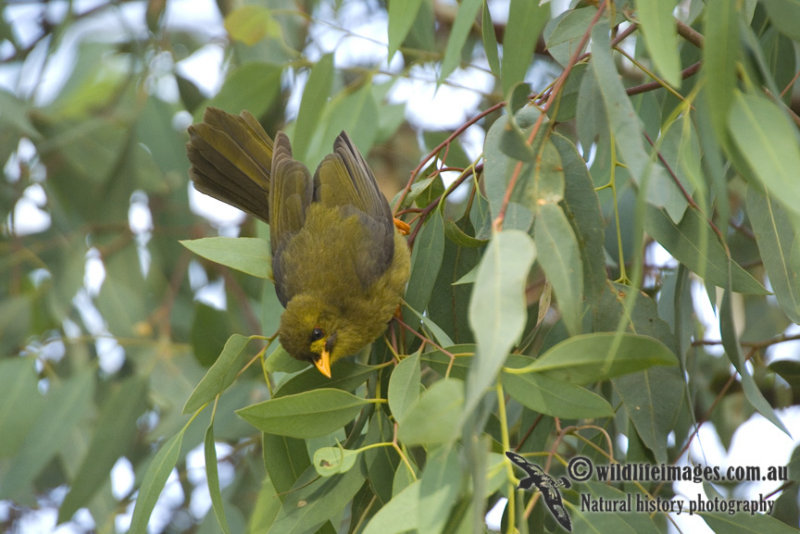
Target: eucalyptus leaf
(497,310)
(589,358)
(558,398)
(435,417)
(304,415)
(247,254)
(220,375)
(768,142)
(404,385)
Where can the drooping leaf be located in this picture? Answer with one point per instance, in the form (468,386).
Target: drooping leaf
(768,141)
(404,386)
(497,311)
(558,253)
(525,22)
(439,487)
(721,48)
(465,18)
(402,14)
(212,476)
(153,482)
(112,439)
(315,96)
(777,240)
(660,37)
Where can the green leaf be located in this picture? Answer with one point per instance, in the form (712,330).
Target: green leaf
(435,417)
(315,96)
(777,238)
(285,460)
(307,507)
(582,208)
(402,14)
(489,39)
(404,385)
(661,37)
(281,361)
(497,310)
(153,482)
(304,415)
(212,476)
(454,233)
(784,14)
(769,144)
(721,50)
(63,407)
(426,260)
(220,375)
(438,333)
(789,371)
(329,461)
(525,21)
(559,255)
(246,254)
(465,18)
(693,244)
(210,329)
(348,376)
(653,400)
(563,34)
(627,129)
(265,508)
(113,437)
(733,350)
(590,358)
(251,23)
(439,488)
(22,403)
(554,397)
(252,86)
(401,514)
(744,523)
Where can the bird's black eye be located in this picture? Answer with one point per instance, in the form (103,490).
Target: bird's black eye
(317,334)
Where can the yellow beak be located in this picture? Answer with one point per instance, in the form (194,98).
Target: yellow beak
(323,364)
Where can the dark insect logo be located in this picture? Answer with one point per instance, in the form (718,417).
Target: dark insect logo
(546,485)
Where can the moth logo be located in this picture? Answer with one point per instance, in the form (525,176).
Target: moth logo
(546,485)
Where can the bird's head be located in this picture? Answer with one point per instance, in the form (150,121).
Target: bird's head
(310,331)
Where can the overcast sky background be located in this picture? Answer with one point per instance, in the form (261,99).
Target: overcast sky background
(757,442)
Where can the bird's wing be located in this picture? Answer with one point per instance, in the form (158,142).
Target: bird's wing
(290,194)
(344,180)
(231,160)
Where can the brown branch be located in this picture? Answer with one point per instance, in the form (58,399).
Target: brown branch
(690,34)
(691,70)
(440,146)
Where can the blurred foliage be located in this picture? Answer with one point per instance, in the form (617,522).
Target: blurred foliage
(536,320)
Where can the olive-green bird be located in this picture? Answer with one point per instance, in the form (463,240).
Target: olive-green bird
(340,265)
